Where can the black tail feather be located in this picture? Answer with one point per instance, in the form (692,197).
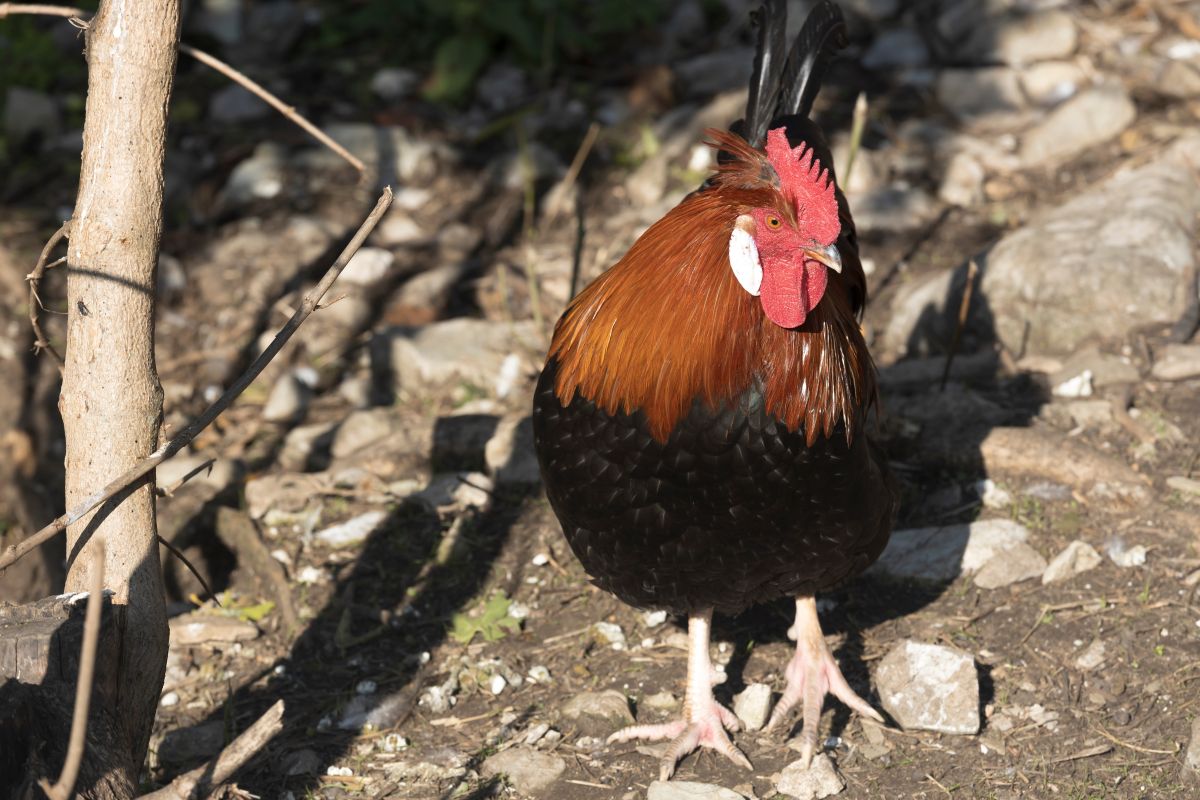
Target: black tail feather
(768,68)
(823,33)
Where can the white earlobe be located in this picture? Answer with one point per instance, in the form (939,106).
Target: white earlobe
(743,255)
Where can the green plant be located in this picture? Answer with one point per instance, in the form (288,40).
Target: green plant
(491,624)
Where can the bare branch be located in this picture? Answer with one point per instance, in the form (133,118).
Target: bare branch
(35,279)
(201,781)
(209,61)
(185,436)
(273,101)
(175,551)
(65,787)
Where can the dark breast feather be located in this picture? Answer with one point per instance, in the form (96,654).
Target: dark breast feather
(731,510)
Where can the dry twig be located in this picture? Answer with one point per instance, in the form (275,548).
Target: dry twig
(201,781)
(65,786)
(964,308)
(208,60)
(185,436)
(34,279)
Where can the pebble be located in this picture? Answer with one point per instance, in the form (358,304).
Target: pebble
(288,400)
(821,779)
(394,83)
(930,687)
(598,713)
(368,266)
(609,633)
(1092,657)
(234,104)
(169,699)
(534,734)
(752,705)
(1191,761)
(262,176)
(455,351)
(1026,38)
(1077,557)
(690,790)
(1177,362)
(1016,563)
(353,531)
(1184,485)
(660,701)
(366,687)
(962,185)
(1091,117)
(652,619)
(197,628)
(1123,555)
(893,208)
(509,454)
(539,674)
(973,93)
(942,554)
(193,743)
(497,684)
(1051,82)
(300,762)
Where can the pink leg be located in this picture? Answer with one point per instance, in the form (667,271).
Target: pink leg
(704,719)
(811,674)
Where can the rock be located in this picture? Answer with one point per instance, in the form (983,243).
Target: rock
(353,531)
(1179,79)
(930,687)
(369,266)
(1020,562)
(1092,117)
(1024,38)
(660,701)
(896,48)
(962,185)
(28,113)
(411,159)
(301,762)
(1076,558)
(220,475)
(260,177)
(1177,362)
(455,351)
(233,104)
(972,93)
(1051,82)
(609,633)
(752,705)
(1125,556)
(288,399)
(529,771)
(398,228)
(196,628)
(459,441)
(690,790)
(221,19)
(194,743)
(1191,761)
(891,208)
(821,779)
(715,72)
(1092,657)
(1078,386)
(509,453)
(394,83)
(457,490)
(942,554)
(1104,369)
(360,429)
(284,492)
(1053,285)
(598,713)
(1184,485)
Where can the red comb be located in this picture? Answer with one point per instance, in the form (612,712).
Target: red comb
(806,185)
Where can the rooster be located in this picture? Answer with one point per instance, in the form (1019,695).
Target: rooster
(700,419)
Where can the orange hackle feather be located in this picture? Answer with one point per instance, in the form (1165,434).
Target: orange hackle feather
(668,324)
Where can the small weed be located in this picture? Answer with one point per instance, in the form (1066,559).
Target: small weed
(493,623)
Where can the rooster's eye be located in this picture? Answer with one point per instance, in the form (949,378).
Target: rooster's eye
(773,222)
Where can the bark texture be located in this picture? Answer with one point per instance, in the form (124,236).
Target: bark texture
(111,399)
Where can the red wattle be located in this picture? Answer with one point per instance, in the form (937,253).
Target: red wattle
(789,291)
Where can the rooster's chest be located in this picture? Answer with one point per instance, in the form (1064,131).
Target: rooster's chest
(732,509)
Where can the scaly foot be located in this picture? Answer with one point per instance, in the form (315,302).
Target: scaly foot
(811,674)
(704,719)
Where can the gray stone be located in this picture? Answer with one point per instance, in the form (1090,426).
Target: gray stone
(1051,82)
(369,266)
(1076,558)
(219,475)
(1179,79)
(598,713)
(1089,413)
(221,19)
(410,158)
(1092,657)
(457,490)
(971,93)
(1177,362)
(459,441)
(260,177)
(892,209)
(690,790)
(1191,760)
(1016,563)
(941,554)
(1105,369)
(752,705)
(509,453)
(194,743)
(1184,485)
(288,399)
(1092,117)
(962,185)
(930,687)
(1023,38)
(398,228)
(813,782)
(660,701)
(29,113)
(196,628)
(353,531)
(538,164)
(361,429)
(430,290)
(301,762)
(394,83)
(896,48)
(461,350)
(234,104)
(1053,285)
(715,72)
(529,771)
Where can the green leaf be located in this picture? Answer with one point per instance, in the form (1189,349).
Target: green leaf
(455,65)
(492,624)
(255,613)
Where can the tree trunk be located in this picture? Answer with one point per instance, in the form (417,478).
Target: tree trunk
(111,399)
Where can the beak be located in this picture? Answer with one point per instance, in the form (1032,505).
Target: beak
(829,256)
